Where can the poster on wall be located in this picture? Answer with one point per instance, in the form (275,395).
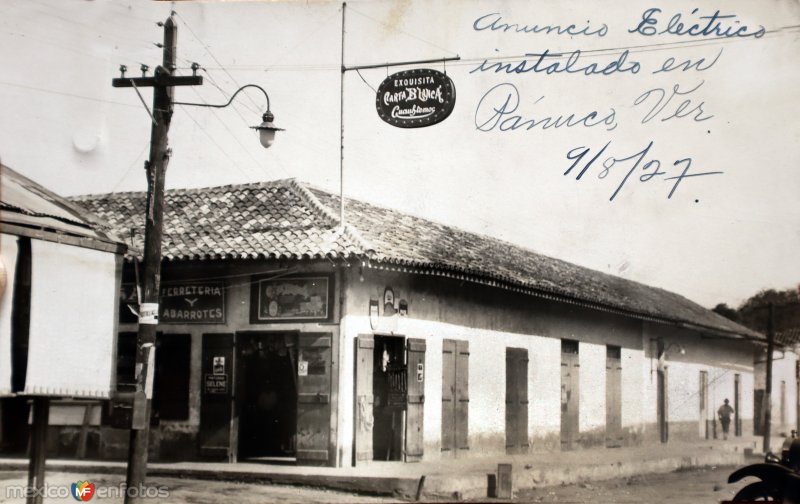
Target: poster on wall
(292,299)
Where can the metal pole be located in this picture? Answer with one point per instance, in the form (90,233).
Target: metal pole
(768,391)
(341,127)
(145,351)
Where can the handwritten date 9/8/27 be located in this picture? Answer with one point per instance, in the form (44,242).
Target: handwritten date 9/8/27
(583,158)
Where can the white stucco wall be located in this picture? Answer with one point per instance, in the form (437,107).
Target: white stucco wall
(486,379)
(592,405)
(636,389)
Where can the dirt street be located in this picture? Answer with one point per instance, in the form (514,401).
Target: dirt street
(701,486)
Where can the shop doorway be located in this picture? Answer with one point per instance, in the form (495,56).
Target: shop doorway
(390,386)
(389,389)
(267,395)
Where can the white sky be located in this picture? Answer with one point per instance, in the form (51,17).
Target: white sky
(720,238)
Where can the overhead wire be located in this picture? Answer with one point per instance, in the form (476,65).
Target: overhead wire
(387,25)
(130,167)
(210,53)
(61,93)
(214,141)
(232,134)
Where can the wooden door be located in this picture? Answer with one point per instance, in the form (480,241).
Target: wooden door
(570,390)
(737,400)
(313,399)
(613,397)
(415,369)
(662,400)
(365,399)
(462,396)
(455,396)
(217,434)
(703,395)
(517,400)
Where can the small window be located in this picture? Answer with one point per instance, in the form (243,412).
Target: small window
(569,346)
(613,352)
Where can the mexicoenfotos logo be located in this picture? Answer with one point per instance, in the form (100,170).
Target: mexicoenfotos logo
(83,491)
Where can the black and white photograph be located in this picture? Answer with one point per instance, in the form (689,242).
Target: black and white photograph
(399,251)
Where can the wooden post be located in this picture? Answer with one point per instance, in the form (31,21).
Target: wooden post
(768,390)
(83,437)
(146,338)
(38,450)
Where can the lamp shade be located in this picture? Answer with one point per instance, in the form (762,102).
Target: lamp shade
(266,130)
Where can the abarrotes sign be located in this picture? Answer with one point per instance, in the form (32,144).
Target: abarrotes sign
(415,98)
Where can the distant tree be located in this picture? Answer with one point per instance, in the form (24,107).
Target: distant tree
(727,312)
(754,312)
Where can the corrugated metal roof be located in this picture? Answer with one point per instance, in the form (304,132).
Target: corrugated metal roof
(287,219)
(27,205)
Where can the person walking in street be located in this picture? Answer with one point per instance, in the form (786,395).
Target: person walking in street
(724,413)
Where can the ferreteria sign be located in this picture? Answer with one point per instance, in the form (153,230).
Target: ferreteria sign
(415,98)
(193,303)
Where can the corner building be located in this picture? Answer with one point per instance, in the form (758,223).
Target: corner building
(284,336)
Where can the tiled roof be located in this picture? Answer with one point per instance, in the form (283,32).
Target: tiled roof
(287,219)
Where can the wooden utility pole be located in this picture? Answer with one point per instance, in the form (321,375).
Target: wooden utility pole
(768,390)
(41,413)
(162,83)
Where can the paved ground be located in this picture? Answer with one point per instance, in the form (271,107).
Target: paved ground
(697,486)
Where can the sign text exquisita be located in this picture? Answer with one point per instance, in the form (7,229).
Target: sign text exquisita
(415,98)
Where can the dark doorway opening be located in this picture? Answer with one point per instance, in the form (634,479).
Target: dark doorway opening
(390,388)
(267,391)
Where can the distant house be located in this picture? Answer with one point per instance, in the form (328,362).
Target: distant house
(60,272)
(283,334)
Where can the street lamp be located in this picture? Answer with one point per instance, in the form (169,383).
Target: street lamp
(266,130)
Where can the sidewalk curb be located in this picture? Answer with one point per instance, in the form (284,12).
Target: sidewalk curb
(430,487)
(402,488)
(474,485)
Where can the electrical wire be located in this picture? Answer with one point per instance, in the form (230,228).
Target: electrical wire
(387,25)
(213,141)
(61,93)
(130,167)
(208,50)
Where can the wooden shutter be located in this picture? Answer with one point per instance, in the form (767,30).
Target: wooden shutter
(448,396)
(415,359)
(517,400)
(314,399)
(522,397)
(570,390)
(613,397)
(462,396)
(365,349)
(217,439)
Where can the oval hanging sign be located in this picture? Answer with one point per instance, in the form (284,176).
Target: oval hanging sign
(415,98)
